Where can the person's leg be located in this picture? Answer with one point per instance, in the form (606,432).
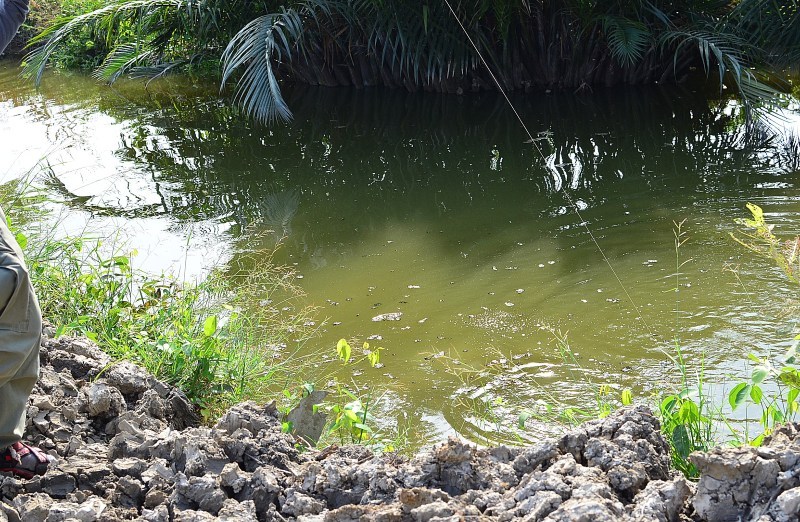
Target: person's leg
(20,335)
(19,356)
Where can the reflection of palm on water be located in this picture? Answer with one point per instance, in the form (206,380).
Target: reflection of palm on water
(278,209)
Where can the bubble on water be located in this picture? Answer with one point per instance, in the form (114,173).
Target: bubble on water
(541,265)
(520,290)
(509,303)
(584,301)
(425,319)
(551,262)
(413,286)
(494,268)
(599,290)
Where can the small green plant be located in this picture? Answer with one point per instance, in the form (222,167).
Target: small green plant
(774,386)
(777,401)
(760,239)
(351,409)
(687,415)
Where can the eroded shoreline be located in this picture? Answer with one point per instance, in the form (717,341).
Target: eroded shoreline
(130,447)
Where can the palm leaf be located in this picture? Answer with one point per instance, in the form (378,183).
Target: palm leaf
(122,59)
(266,39)
(109,16)
(627,39)
(729,53)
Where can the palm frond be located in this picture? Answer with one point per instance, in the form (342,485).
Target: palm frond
(627,39)
(772,26)
(255,47)
(59,31)
(121,60)
(729,53)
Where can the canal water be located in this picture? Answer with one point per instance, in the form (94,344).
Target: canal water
(439,211)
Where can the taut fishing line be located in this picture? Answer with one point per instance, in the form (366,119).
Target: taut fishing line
(553,171)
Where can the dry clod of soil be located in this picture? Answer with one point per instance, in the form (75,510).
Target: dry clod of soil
(131,448)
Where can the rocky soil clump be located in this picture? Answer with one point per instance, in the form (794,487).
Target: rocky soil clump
(131,448)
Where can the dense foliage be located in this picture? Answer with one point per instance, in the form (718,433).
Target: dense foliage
(524,44)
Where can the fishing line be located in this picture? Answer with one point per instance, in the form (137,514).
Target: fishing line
(569,199)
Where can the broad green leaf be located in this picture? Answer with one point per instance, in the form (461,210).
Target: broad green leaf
(374,357)
(759,374)
(524,416)
(210,326)
(343,350)
(688,411)
(627,397)
(789,376)
(756,394)
(668,403)
(681,442)
(738,394)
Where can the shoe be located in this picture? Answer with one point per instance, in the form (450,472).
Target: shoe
(25,461)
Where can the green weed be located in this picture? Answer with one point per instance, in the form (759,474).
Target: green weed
(207,337)
(687,415)
(774,385)
(352,403)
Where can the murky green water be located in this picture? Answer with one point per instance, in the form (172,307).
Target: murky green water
(436,207)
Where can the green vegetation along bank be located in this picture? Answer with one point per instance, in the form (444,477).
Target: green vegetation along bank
(440,45)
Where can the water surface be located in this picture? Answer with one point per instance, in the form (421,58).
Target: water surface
(440,207)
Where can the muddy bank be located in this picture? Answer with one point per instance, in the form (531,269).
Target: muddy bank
(130,448)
